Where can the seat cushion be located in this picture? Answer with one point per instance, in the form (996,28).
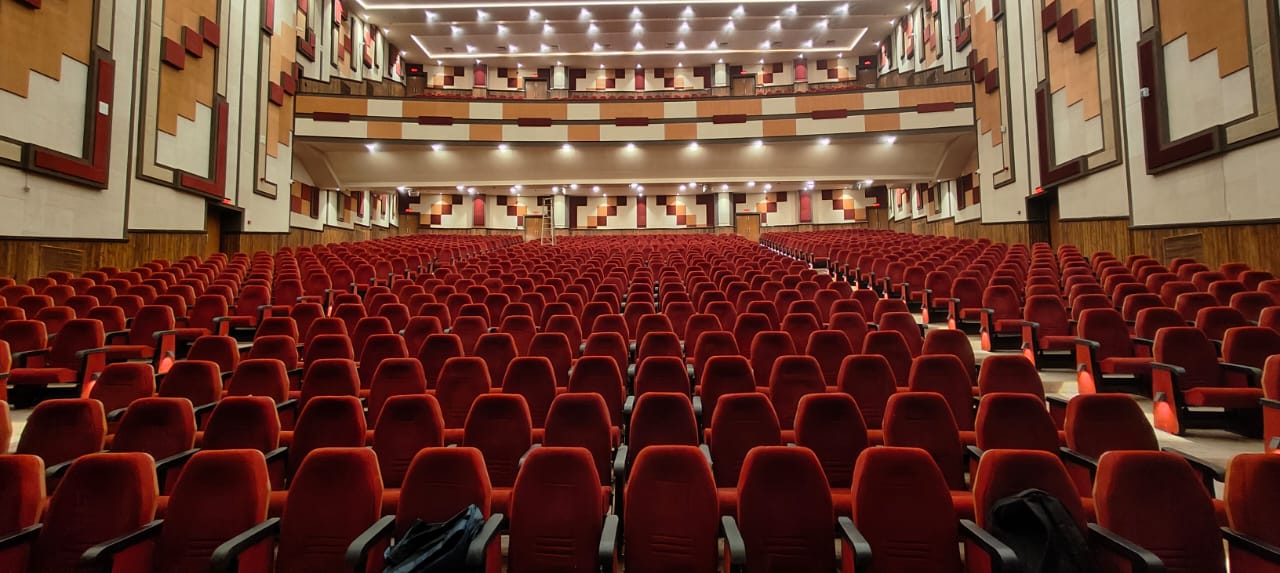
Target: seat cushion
(1224,397)
(962,501)
(842,501)
(390,500)
(1126,365)
(728,498)
(41,376)
(129,352)
(1009,325)
(1057,342)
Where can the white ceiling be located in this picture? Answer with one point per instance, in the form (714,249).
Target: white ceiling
(660,169)
(622,34)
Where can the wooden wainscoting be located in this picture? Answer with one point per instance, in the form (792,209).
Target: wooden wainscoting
(21,258)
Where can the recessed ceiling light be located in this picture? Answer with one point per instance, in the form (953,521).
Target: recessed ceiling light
(713,45)
(683,187)
(460,187)
(555,189)
(471,49)
(548,29)
(724,186)
(573,186)
(761,60)
(868,181)
(768,186)
(751,184)
(775,26)
(640,189)
(404,53)
(431,16)
(567,147)
(534,16)
(728,26)
(739,11)
(631,146)
(680,64)
(595,188)
(634,185)
(503,147)
(596,47)
(684,28)
(637,29)
(693,145)
(680,46)
(889,139)
(693,184)
(790,11)
(601,65)
(371,147)
(544,49)
(720,61)
(824,141)
(519,65)
(455,30)
(593,29)
(758,143)
(639,48)
(437,146)
(842,9)
(687,13)
(481,15)
(439,62)
(584,14)
(558,63)
(636,13)
(471,190)
(502,30)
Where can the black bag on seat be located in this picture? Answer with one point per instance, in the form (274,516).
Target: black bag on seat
(435,547)
(1042,532)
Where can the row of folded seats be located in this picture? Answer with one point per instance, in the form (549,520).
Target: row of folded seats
(893,508)
(667,357)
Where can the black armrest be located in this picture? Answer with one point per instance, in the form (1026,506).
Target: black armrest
(1057,402)
(628,406)
(697,410)
(1270,403)
(358,552)
(57,470)
(520,463)
(225,558)
(20,358)
(608,550)
(1210,471)
(106,339)
(973,452)
(735,547)
(479,548)
(857,543)
(1254,374)
(706,452)
(620,463)
(91,351)
(1072,456)
(291,404)
(115,415)
(1141,559)
(100,556)
(175,461)
(1253,545)
(279,454)
(1092,344)
(1003,559)
(21,537)
(1170,368)
(203,409)
(1144,341)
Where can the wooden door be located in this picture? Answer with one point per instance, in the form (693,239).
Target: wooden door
(748,226)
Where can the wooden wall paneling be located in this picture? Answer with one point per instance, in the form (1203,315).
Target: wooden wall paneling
(20,258)
(1094,235)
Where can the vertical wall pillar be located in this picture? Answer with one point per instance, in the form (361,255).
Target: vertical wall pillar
(801,77)
(720,75)
(805,208)
(639,79)
(724,209)
(642,213)
(559,78)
